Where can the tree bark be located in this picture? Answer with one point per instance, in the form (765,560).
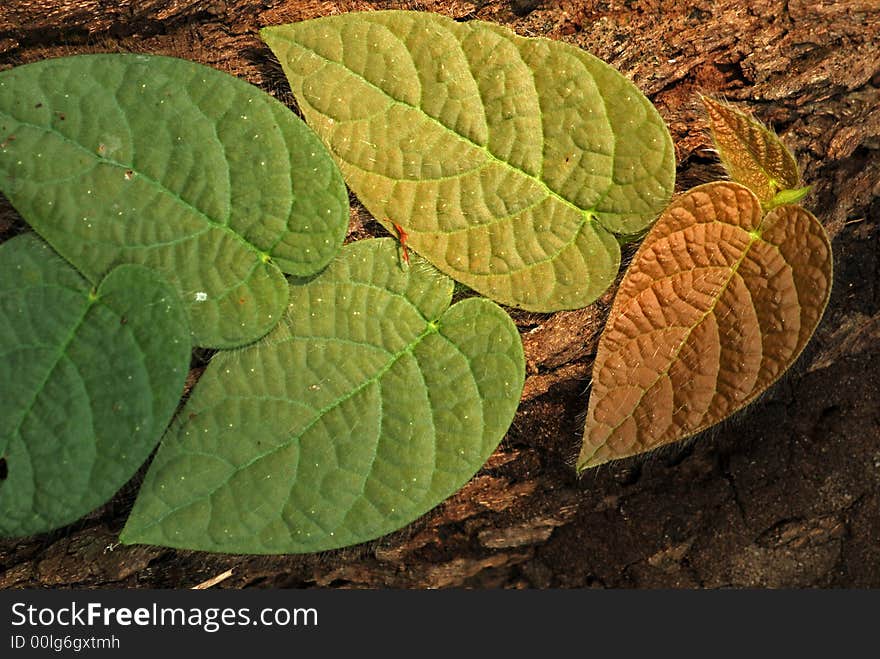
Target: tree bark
(787,494)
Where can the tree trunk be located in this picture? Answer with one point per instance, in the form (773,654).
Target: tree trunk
(785,495)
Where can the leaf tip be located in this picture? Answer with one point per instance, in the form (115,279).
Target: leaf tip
(128,537)
(714,108)
(132,535)
(270,35)
(590,456)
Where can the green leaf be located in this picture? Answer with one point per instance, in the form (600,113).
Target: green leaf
(88,381)
(167,163)
(787,197)
(368,406)
(510,162)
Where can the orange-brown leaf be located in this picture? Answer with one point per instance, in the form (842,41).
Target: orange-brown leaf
(719,301)
(752,154)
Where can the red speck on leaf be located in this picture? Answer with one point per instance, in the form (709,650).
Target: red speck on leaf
(402,236)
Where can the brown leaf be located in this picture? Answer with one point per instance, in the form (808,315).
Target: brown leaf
(752,154)
(717,304)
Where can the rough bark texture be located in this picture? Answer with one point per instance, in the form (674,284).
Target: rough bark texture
(785,495)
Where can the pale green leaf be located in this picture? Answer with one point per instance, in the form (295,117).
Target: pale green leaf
(511,163)
(369,405)
(88,381)
(787,197)
(170,164)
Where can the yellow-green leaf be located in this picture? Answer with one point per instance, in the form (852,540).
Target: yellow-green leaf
(512,163)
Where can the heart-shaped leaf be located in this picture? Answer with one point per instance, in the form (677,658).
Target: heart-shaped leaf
(754,155)
(718,302)
(170,164)
(510,162)
(370,404)
(88,381)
